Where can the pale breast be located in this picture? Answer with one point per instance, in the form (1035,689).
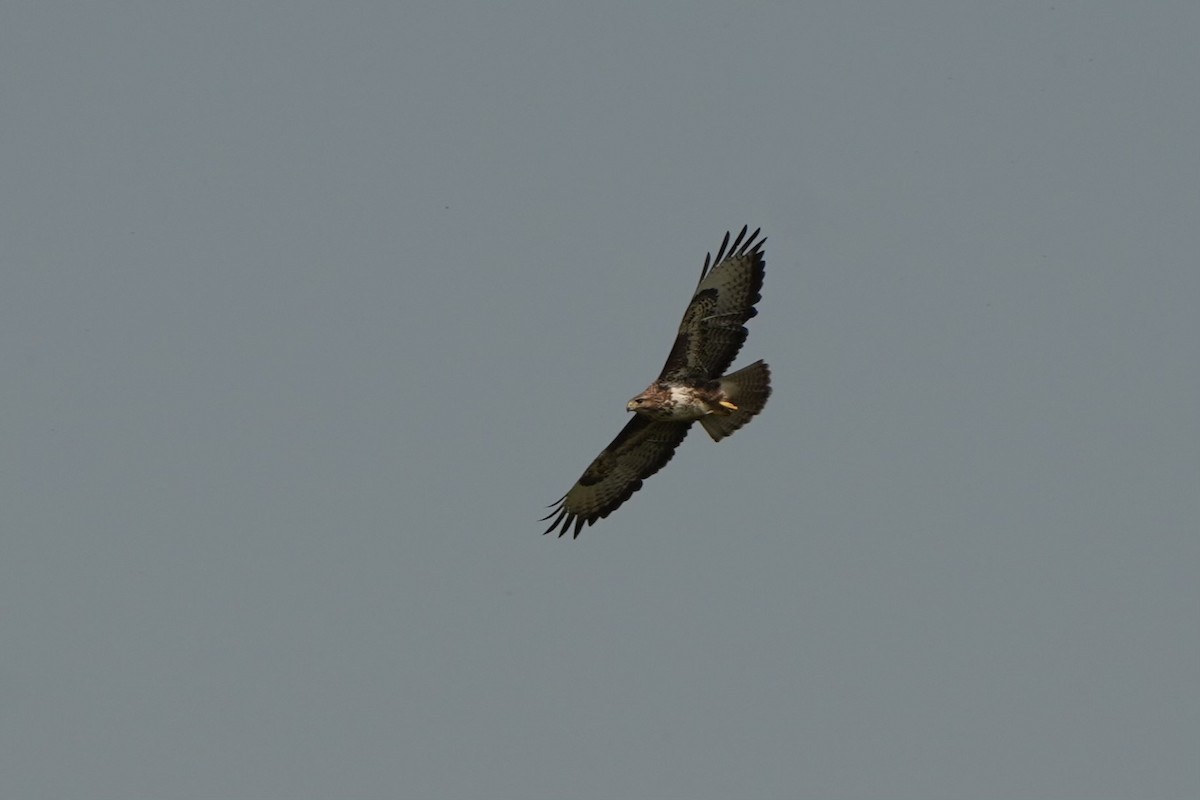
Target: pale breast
(686,404)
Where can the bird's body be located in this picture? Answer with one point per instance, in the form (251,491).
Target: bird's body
(662,401)
(692,387)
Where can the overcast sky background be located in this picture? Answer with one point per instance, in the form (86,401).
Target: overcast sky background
(308,309)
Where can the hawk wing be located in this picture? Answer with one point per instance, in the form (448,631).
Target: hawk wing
(713,327)
(641,449)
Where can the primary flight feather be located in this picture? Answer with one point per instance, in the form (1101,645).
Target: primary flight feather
(692,386)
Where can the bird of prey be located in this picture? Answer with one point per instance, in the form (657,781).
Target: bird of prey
(691,387)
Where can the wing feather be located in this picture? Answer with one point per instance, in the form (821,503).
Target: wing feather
(641,449)
(713,327)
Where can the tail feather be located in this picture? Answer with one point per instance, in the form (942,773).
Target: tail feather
(748,389)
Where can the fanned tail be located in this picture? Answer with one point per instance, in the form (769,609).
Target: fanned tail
(748,389)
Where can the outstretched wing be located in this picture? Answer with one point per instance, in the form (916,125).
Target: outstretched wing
(641,449)
(713,327)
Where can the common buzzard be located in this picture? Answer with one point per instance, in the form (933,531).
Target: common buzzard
(692,386)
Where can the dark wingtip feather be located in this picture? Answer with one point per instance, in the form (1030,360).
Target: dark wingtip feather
(741,245)
(721,249)
(558,511)
(564,519)
(738,241)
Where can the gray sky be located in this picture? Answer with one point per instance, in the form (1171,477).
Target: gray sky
(308,309)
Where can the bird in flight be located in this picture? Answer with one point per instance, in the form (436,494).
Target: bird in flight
(691,387)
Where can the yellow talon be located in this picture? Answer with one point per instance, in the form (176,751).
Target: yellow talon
(728,405)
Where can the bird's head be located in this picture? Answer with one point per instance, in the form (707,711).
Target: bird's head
(649,401)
